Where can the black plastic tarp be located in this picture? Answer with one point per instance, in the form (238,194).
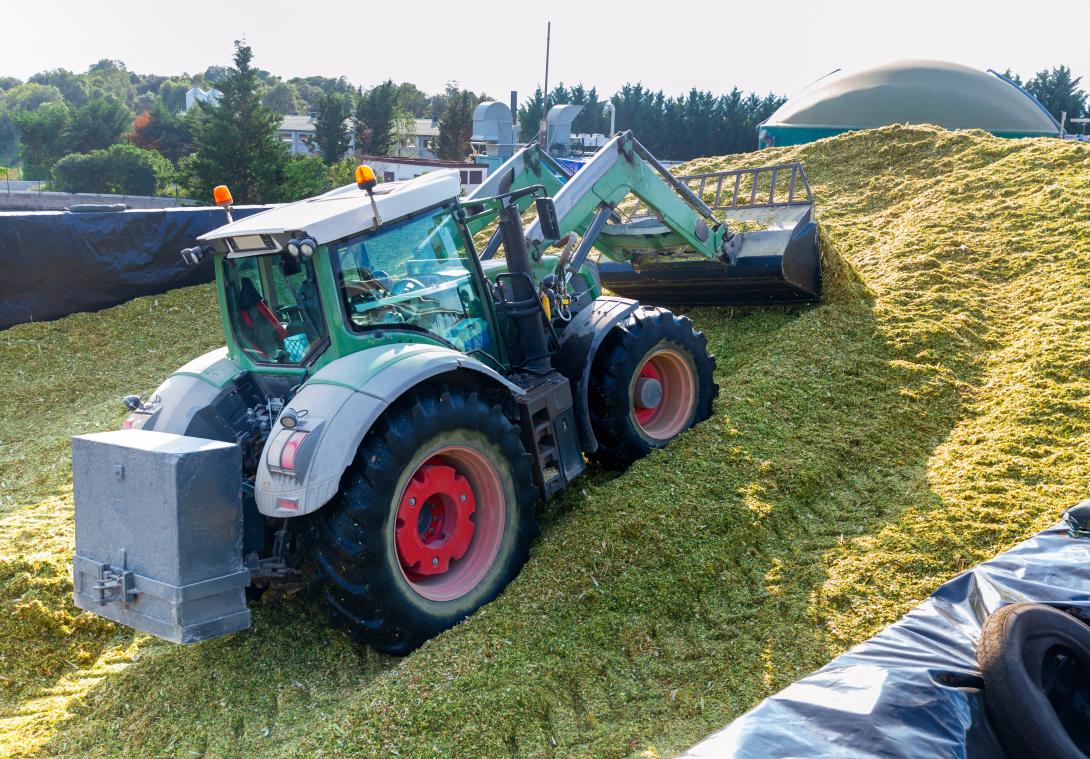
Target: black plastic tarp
(55,263)
(914,689)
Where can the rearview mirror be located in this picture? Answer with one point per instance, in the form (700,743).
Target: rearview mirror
(546,218)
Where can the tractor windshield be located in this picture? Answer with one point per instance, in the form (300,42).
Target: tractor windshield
(273,307)
(417,275)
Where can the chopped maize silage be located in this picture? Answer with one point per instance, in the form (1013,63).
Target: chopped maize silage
(932,411)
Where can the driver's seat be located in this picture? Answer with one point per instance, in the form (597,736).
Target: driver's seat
(259,324)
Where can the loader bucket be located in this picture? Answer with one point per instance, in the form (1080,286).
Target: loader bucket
(776,265)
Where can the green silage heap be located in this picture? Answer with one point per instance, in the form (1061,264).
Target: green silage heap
(931,412)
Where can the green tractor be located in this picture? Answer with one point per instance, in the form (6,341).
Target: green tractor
(391,403)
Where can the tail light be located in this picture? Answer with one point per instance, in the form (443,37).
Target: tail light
(290,450)
(285,453)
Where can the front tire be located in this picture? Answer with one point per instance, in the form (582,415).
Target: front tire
(651,380)
(434,518)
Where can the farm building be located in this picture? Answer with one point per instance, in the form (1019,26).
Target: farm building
(908,92)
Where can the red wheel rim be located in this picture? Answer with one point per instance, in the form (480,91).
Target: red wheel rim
(663,394)
(449,523)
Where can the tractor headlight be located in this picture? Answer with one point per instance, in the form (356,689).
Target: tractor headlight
(293,247)
(307,246)
(193,256)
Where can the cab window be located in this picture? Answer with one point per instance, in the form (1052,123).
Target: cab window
(414,275)
(273,307)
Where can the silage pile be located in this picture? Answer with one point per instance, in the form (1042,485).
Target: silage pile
(930,413)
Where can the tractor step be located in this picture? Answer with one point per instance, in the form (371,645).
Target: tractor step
(549,433)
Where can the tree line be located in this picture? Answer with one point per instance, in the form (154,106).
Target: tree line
(114,131)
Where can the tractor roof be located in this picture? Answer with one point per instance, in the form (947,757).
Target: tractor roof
(345,210)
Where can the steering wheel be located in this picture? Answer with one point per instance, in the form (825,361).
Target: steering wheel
(407,285)
(371,285)
(290,313)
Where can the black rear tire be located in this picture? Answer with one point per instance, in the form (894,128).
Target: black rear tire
(361,572)
(649,337)
(1035,661)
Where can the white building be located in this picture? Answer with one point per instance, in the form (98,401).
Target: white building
(297,132)
(427,135)
(196,95)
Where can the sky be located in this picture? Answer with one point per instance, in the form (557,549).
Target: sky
(496,47)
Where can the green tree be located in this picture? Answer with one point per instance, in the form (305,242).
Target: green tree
(99,124)
(343,172)
(1059,92)
(456,127)
(281,98)
(145,101)
(71,85)
(43,138)
(22,97)
(304,177)
(236,140)
(149,83)
(109,78)
(413,99)
(7,82)
(172,93)
(119,169)
(331,134)
(592,119)
(215,74)
(164,131)
(27,97)
(373,119)
(310,89)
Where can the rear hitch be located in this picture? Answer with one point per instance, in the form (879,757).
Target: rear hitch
(116,586)
(274,571)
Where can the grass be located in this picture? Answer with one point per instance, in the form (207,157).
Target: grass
(932,411)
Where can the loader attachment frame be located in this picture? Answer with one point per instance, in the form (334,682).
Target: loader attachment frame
(646,248)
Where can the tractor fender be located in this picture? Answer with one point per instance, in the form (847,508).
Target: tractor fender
(578,345)
(181,403)
(335,408)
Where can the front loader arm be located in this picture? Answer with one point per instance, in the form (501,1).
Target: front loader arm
(621,167)
(780,263)
(529,166)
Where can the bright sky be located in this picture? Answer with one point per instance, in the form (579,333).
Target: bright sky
(496,47)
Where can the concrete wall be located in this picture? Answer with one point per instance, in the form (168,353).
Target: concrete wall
(15,200)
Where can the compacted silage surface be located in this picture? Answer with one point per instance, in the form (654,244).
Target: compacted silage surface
(931,412)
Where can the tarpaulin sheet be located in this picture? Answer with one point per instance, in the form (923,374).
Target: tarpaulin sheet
(914,689)
(56,263)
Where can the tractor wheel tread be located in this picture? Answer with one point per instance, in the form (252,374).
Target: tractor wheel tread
(350,538)
(619,443)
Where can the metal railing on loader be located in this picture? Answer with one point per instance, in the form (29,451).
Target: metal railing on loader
(746,188)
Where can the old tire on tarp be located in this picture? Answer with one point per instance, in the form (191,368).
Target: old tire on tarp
(1035,661)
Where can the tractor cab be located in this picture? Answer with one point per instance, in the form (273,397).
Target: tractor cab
(308,282)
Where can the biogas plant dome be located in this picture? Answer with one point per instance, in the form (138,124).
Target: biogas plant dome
(908,92)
